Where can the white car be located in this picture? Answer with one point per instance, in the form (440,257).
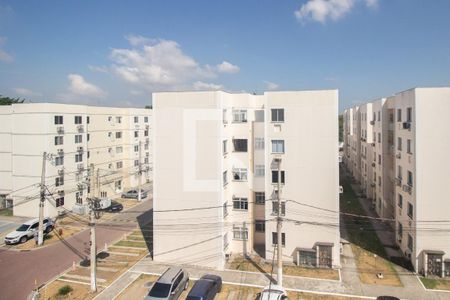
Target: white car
(27,230)
(273,292)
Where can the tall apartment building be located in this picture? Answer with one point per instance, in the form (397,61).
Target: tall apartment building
(73,137)
(217,158)
(411,142)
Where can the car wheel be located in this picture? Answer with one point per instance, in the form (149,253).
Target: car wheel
(49,229)
(23,239)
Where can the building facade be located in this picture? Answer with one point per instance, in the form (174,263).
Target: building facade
(72,137)
(218,158)
(410,145)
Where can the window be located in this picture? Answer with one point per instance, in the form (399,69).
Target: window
(79,197)
(239,116)
(399,115)
(225,177)
(275,240)
(259,115)
(259,170)
(118,185)
(410,211)
(59,181)
(119,120)
(410,242)
(379,137)
(78,120)
(240,145)
(109,119)
(277,146)
(224,147)
(119,149)
(88,119)
(240,233)
(78,157)
(379,180)
(224,116)
(277,114)
(399,144)
(260,225)
(260,198)
(275,177)
(119,165)
(400,200)
(136,148)
(400,230)
(379,159)
(136,119)
(59,120)
(408,146)
(136,134)
(307,258)
(118,134)
(88,137)
(78,138)
(146,160)
(88,154)
(59,140)
(410,178)
(275,208)
(146,146)
(239,174)
(136,162)
(145,119)
(59,160)
(409,114)
(379,116)
(145,132)
(59,201)
(399,172)
(240,203)
(259,143)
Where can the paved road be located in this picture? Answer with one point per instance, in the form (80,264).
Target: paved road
(20,270)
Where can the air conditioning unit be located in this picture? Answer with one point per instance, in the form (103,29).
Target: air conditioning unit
(372,184)
(277,160)
(340,158)
(372,122)
(80,186)
(80,149)
(147,154)
(407,125)
(61,193)
(399,155)
(80,167)
(373,164)
(147,126)
(398,181)
(60,152)
(341,189)
(373,144)
(80,128)
(147,140)
(61,172)
(60,129)
(407,188)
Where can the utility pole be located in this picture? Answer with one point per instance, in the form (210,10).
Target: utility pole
(279,233)
(42,202)
(92,243)
(140,173)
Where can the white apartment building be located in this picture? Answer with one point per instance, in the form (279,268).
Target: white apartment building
(73,137)
(216,162)
(411,145)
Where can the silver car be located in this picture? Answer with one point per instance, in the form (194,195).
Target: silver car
(27,230)
(134,194)
(169,285)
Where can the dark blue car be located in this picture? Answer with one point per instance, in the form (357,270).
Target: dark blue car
(205,288)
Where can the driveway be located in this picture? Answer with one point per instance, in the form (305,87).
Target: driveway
(20,270)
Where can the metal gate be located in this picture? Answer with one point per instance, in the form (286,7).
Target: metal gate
(434,264)
(325,256)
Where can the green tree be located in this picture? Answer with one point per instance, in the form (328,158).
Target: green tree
(9,101)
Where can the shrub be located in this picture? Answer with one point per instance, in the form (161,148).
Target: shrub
(64,290)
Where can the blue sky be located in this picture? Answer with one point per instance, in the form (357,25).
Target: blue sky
(116,53)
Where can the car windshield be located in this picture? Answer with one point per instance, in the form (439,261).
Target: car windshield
(23,227)
(160,290)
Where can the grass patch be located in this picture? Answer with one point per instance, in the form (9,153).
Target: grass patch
(137,244)
(257,265)
(7,212)
(435,284)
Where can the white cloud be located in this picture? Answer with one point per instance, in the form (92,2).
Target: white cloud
(203,86)
(80,87)
(99,69)
(226,67)
(271,85)
(26,92)
(4,56)
(322,10)
(161,65)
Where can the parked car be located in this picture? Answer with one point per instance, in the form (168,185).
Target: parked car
(114,207)
(134,194)
(27,230)
(205,288)
(169,285)
(272,292)
(387,298)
